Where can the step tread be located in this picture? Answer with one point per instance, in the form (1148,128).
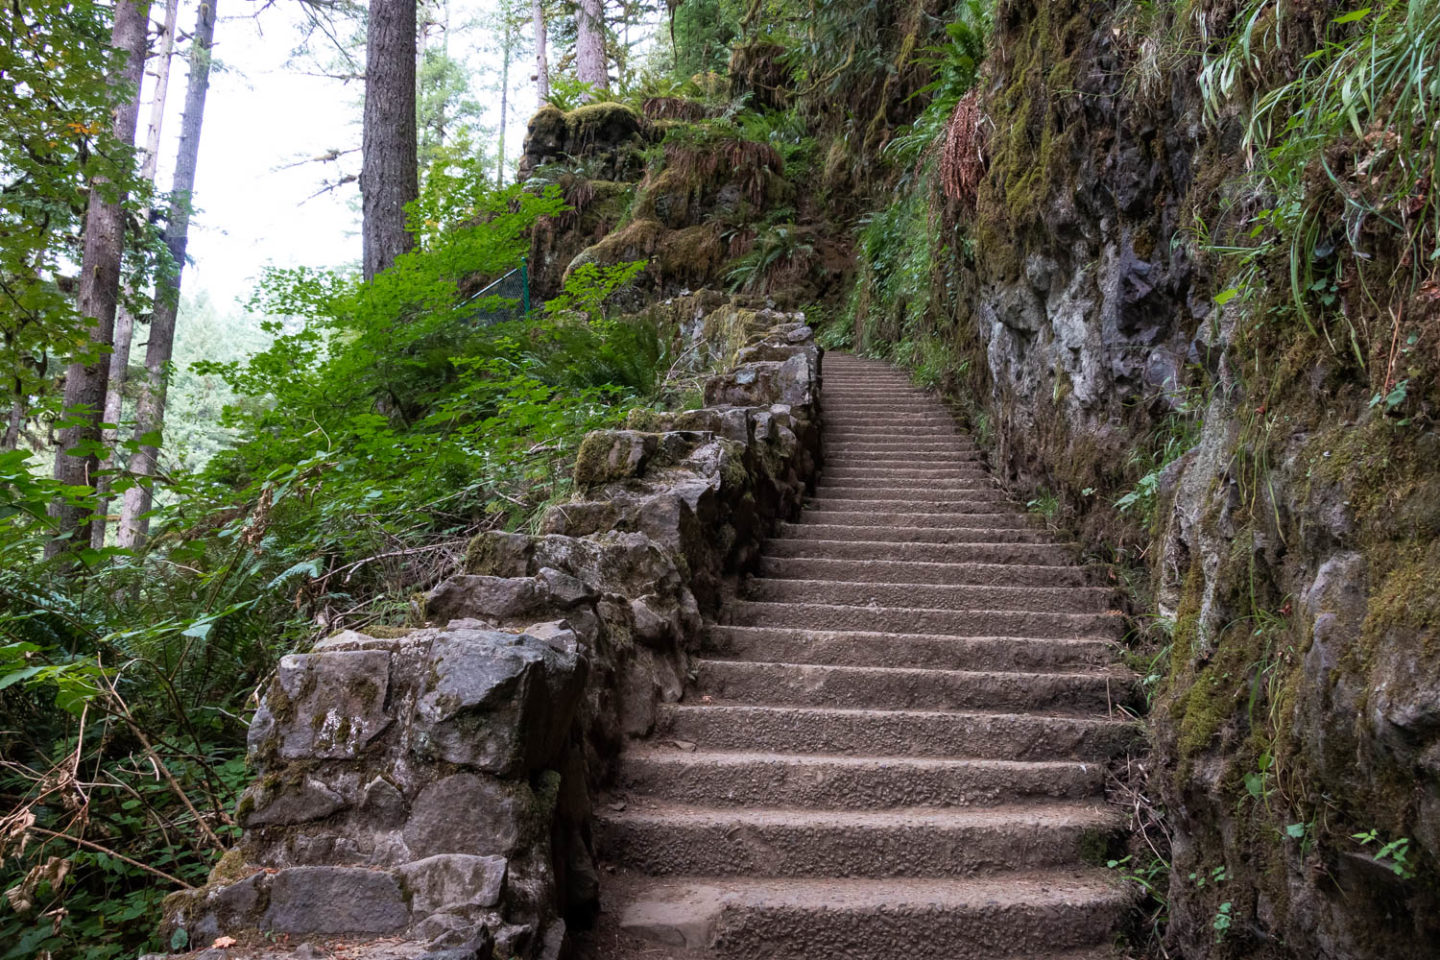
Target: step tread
(1051,813)
(659,753)
(991,891)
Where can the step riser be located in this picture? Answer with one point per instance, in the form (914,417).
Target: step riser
(847,414)
(897,432)
(669,848)
(903,475)
(897,571)
(957,597)
(905,487)
(1010,522)
(829,505)
(1019,553)
(885,785)
(817,686)
(920,535)
(888,459)
(837,648)
(898,734)
(887,447)
(955,623)
(904,498)
(918,934)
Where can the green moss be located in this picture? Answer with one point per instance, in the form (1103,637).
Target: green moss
(647,420)
(693,254)
(230,868)
(383,632)
(636,241)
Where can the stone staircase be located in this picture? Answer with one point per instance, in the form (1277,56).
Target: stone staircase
(896,746)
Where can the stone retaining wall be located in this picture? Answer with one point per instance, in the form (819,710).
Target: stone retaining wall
(435,787)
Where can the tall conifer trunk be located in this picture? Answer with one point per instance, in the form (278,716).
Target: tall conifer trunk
(99,288)
(590,64)
(542,67)
(389,172)
(150,409)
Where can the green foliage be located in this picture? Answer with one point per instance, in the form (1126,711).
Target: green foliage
(55,141)
(780,247)
(567,92)
(1343,152)
(703,32)
(1395,855)
(954,67)
(369,440)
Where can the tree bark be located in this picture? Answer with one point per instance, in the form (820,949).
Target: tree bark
(99,289)
(507,50)
(542,68)
(590,64)
(389,172)
(150,408)
(124,320)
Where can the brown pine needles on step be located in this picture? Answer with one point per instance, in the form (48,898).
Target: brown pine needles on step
(962,157)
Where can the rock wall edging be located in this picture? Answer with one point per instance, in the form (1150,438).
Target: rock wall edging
(436,784)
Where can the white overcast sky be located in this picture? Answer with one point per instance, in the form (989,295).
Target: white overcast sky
(262,115)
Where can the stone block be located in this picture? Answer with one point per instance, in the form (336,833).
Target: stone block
(498,702)
(323,706)
(299,802)
(466,813)
(334,900)
(450,882)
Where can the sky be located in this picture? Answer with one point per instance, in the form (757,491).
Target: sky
(261,116)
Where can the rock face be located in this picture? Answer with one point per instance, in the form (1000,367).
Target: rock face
(1288,543)
(436,786)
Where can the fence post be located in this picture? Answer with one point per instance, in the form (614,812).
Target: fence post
(525,282)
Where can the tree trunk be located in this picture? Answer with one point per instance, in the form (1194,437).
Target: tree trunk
(542,68)
(389,172)
(507,50)
(590,44)
(150,409)
(99,289)
(124,320)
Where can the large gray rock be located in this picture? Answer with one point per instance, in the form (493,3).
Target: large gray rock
(468,813)
(305,900)
(449,883)
(324,706)
(498,702)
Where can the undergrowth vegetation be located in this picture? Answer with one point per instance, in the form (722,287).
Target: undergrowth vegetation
(380,429)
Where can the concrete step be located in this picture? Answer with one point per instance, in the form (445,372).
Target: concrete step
(898,619)
(813,685)
(749,779)
(667,839)
(1051,914)
(830,485)
(923,529)
(935,455)
(971,504)
(841,420)
(917,733)
(850,471)
(1027,554)
(859,648)
(883,439)
(903,571)
(974,492)
(897,409)
(932,596)
(887,431)
(974,531)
